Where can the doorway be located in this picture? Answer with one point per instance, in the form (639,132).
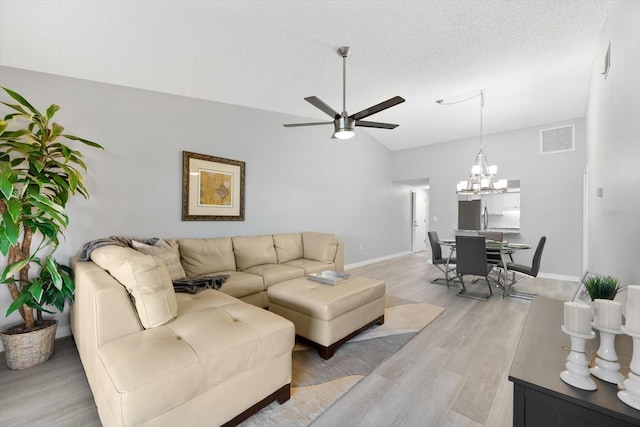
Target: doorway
(419,215)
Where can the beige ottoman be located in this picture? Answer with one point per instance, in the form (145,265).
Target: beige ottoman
(326,315)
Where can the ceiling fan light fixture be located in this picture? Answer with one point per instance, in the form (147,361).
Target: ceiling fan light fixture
(344,128)
(344,134)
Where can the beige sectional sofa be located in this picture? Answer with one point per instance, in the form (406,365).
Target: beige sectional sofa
(154,357)
(256,262)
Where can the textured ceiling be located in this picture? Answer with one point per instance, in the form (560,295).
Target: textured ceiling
(532,58)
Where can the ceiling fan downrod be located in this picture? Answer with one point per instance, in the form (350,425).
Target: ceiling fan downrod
(344,52)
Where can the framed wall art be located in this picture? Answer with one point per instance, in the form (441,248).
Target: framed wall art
(212,188)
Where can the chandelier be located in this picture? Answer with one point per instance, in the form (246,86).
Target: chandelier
(482,178)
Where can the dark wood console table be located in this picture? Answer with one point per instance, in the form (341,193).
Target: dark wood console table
(541,398)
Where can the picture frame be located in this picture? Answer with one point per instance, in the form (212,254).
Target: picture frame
(212,188)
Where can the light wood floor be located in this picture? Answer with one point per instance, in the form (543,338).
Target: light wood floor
(454,372)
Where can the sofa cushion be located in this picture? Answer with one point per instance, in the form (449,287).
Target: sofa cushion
(254,250)
(166,254)
(146,280)
(215,337)
(275,273)
(288,246)
(206,256)
(311,266)
(240,283)
(320,246)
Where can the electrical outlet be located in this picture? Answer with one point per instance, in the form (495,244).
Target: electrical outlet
(361,246)
(435,218)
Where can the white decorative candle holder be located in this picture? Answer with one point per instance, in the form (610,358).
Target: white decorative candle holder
(631,393)
(607,367)
(577,373)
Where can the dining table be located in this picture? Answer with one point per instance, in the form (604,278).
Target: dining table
(505,248)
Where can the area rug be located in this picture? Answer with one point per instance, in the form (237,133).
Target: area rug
(317,383)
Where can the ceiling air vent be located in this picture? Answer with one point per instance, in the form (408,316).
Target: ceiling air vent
(557,140)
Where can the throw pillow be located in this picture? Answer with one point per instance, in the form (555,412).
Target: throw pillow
(146,280)
(166,254)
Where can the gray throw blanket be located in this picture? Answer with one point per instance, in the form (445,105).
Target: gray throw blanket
(197,284)
(125,242)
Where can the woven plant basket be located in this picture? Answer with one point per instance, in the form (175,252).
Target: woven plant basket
(26,349)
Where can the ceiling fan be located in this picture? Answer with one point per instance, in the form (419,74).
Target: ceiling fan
(344,124)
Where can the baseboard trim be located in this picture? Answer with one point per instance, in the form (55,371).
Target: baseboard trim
(63,331)
(374,260)
(559,277)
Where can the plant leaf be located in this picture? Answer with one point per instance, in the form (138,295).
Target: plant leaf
(6,186)
(35,289)
(21,300)
(56,130)
(11,229)
(14,207)
(12,269)
(4,246)
(52,268)
(22,101)
(84,141)
(53,108)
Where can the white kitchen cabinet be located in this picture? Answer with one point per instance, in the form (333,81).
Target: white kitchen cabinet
(493,203)
(510,201)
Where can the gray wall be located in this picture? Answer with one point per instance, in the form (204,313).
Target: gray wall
(613,137)
(551,189)
(296,179)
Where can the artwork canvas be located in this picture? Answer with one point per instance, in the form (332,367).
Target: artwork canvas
(213,188)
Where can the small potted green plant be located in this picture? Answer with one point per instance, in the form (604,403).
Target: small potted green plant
(38,174)
(602,287)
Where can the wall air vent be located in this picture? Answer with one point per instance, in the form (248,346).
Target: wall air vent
(557,140)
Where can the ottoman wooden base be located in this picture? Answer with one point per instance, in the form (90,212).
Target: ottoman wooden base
(328,352)
(328,316)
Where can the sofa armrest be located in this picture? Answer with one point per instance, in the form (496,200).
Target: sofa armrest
(339,260)
(102,312)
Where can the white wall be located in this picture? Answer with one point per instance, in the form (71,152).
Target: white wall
(551,189)
(613,138)
(296,179)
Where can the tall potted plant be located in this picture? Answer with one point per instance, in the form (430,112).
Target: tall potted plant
(38,174)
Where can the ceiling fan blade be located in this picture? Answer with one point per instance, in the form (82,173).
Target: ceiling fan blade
(293,125)
(377,108)
(319,104)
(376,125)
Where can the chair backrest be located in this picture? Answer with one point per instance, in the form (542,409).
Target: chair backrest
(535,266)
(471,255)
(492,235)
(436,250)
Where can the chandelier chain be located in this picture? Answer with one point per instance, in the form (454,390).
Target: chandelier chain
(481,108)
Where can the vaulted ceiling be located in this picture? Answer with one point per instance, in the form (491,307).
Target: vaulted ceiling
(533,59)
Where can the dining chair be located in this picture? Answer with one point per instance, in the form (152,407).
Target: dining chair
(529,271)
(471,258)
(493,256)
(443,264)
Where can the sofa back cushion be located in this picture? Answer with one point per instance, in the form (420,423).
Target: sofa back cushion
(319,246)
(254,250)
(206,256)
(146,279)
(288,246)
